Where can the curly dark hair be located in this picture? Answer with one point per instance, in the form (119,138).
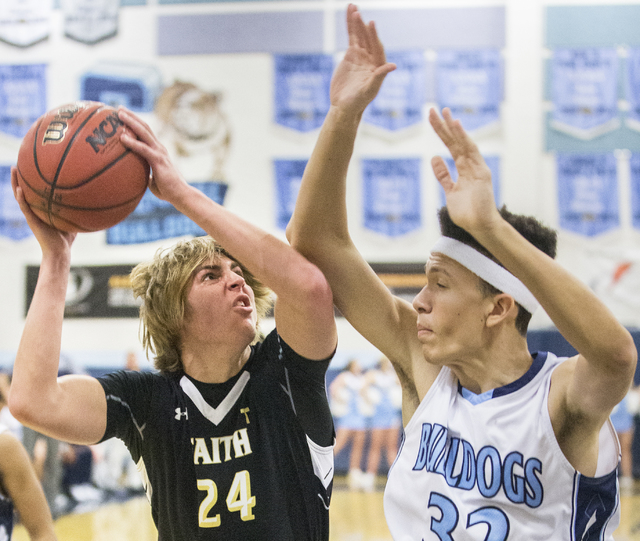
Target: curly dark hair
(542,237)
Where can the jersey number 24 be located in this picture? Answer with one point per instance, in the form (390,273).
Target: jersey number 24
(239,499)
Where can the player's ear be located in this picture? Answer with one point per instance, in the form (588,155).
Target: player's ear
(503,307)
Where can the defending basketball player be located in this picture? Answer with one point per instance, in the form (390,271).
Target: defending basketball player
(233,437)
(499,444)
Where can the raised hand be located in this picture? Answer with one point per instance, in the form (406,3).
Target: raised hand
(165,180)
(359,75)
(470,200)
(49,238)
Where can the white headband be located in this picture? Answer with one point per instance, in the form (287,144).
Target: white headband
(488,270)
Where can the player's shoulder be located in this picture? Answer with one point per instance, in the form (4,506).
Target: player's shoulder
(139,381)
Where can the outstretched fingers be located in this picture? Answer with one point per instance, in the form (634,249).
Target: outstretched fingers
(357,30)
(364,36)
(441,171)
(453,135)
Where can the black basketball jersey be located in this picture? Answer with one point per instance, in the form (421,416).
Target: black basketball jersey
(239,468)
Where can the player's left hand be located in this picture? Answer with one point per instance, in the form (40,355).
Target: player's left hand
(470,200)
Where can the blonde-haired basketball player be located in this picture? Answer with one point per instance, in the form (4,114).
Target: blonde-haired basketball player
(498,443)
(233,437)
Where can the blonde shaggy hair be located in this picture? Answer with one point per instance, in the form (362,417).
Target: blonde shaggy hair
(162,285)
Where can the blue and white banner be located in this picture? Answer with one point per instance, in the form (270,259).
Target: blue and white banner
(392,201)
(25,22)
(88,21)
(632,89)
(588,193)
(635,190)
(494,165)
(23,97)
(402,94)
(12,222)
(155,219)
(470,83)
(288,179)
(302,90)
(136,86)
(585,92)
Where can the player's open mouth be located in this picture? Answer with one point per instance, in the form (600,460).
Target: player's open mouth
(243,302)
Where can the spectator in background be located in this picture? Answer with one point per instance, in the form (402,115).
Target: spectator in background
(622,420)
(131,362)
(382,390)
(350,410)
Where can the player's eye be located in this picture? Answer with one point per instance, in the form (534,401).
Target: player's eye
(210,275)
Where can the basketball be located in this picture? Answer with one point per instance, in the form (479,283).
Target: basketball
(75,173)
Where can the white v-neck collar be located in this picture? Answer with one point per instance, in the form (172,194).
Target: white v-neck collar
(215,415)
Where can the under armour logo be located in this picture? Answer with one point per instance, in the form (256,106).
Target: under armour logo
(179,414)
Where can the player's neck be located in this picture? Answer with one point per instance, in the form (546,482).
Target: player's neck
(501,363)
(214,365)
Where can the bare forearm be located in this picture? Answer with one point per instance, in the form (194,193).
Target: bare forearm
(578,314)
(35,369)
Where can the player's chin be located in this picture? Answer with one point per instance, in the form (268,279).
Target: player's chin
(250,330)
(430,354)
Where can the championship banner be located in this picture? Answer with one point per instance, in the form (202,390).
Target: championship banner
(155,219)
(470,83)
(88,21)
(634,163)
(392,200)
(588,193)
(13,224)
(585,92)
(23,97)
(136,86)
(632,89)
(402,94)
(288,179)
(494,165)
(302,90)
(25,22)
(93,292)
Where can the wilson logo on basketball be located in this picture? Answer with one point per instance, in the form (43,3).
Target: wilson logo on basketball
(57,128)
(105,130)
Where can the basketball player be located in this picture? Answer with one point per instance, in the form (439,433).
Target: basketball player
(498,443)
(233,437)
(20,490)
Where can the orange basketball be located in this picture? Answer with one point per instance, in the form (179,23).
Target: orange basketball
(75,173)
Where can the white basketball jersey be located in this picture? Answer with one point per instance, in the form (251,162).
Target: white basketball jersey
(489,468)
